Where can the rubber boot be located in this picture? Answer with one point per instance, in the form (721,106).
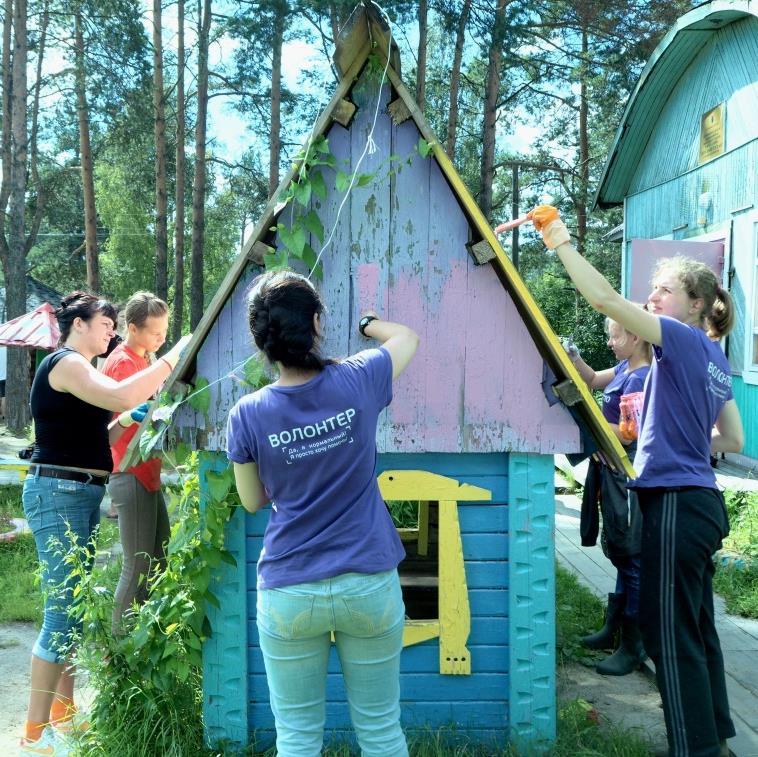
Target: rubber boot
(630,654)
(605,638)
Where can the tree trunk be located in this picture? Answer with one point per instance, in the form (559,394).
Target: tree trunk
(17,378)
(178,313)
(85,151)
(41,195)
(161,197)
(455,80)
(7,125)
(421,67)
(334,21)
(197,304)
(491,95)
(584,151)
(276,104)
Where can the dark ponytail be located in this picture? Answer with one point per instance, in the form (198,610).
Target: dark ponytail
(82,305)
(281,307)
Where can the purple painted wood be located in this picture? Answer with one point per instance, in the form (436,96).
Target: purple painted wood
(399,248)
(409,299)
(336,285)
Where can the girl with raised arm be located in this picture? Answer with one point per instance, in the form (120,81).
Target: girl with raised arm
(689,413)
(307,445)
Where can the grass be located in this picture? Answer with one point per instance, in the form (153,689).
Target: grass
(578,612)
(20,596)
(738,585)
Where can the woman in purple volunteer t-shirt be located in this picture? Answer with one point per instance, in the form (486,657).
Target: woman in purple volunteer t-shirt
(689,413)
(605,490)
(307,445)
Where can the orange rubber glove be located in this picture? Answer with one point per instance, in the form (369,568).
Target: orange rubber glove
(547,221)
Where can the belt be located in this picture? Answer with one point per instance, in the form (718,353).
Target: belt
(69,475)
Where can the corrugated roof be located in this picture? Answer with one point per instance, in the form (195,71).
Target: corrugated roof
(38,329)
(668,62)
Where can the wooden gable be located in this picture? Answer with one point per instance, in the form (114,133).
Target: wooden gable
(402,246)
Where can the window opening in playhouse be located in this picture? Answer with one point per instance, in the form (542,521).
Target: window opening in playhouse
(417,525)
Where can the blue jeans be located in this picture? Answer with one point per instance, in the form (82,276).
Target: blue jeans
(367,615)
(54,507)
(628,582)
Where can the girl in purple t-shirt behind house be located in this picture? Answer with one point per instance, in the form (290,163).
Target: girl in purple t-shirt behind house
(605,489)
(306,443)
(688,392)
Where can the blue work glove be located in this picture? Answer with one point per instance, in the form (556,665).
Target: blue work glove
(135,415)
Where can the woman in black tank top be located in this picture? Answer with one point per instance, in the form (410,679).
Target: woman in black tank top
(72,406)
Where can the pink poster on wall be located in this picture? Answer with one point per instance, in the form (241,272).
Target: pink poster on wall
(645,253)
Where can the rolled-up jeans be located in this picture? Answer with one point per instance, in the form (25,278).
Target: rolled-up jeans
(56,508)
(367,615)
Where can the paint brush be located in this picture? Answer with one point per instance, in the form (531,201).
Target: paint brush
(510,225)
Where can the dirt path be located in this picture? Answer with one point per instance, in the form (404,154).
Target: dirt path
(630,702)
(16,641)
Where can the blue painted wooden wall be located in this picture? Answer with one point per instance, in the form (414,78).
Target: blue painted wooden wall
(662,201)
(512,627)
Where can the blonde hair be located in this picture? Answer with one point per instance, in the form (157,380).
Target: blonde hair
(700,282)
(647,347)
(141,306)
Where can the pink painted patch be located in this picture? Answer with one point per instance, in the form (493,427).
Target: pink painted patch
(367,281)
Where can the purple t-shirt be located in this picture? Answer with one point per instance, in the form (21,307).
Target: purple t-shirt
(622,383)
(688,385)
(315,447)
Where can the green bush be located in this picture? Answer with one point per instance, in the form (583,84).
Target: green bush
(149,689)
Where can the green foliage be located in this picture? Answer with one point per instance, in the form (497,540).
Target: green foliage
(149,696)
(10,500)
(738,585)
(200,398)
(742,508)
(578,612)
(404,513)
(255,372)
(737,580)
(307,182)
(20,597)
(424,148)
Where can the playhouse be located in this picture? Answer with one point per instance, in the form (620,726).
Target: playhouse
(469,437)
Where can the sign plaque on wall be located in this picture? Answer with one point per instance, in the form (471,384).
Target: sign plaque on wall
(712,133)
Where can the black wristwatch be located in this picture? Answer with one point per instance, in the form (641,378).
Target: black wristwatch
(365,322)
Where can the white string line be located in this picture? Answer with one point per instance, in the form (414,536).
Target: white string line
(370,147)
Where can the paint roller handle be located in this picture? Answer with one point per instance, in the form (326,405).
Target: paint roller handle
(511,225)
(171,358)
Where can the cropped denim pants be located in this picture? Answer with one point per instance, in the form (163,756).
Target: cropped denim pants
(55,508)
(367,615)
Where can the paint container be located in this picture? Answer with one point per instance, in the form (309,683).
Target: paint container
(630,406)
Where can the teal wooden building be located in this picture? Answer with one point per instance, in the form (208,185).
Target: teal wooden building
(684,165)
(469,437)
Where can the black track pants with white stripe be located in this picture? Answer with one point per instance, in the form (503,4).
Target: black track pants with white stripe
(681,529)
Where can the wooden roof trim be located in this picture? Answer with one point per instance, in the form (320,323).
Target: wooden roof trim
(365,24)
(522,297)
(668,61)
